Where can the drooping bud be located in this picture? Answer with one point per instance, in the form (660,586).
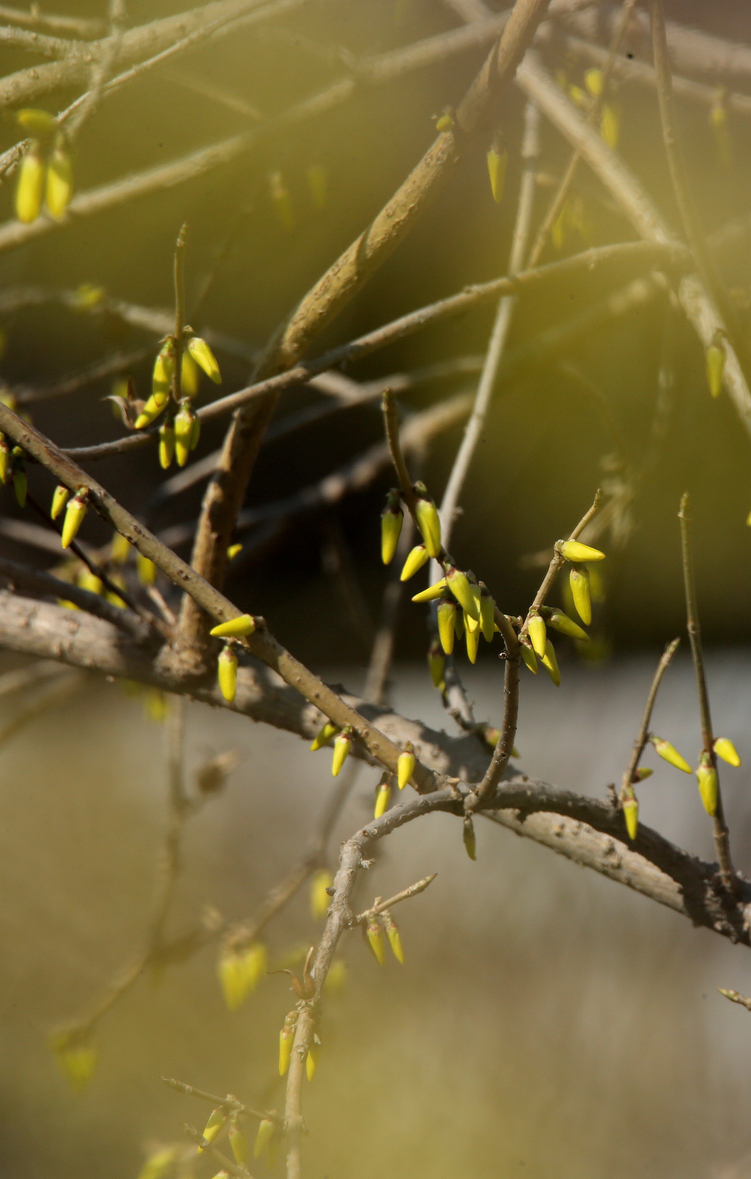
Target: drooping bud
(20,485)
(74,514)
(89,581)
(574,550)
(226,671)
(497,159)
(437,665)
(255,964)
(383,794)
(725,749)
(60,497)
(30,185)
(460,587)
(550,663)
(472,639)
(232,978)
(446,630)
(164,370)
(392,933)
(391,526)
(709,786)
(405,766)
(184,419)
(529,659)
(325,736)
(415,560)
(204,358)
(342,746)
(487,613)
(716,357)
(537,634)
(631,816)
(151,410)
(561,622)
(428,521)
(166,443)
(234,628)
(432,592)
(190,375)
(319,896)
(337,976)
(468,835)
(286,1038)
(669,753)
(579,581)
(214,1125)
(265,1133)
(59,183)
(238,1141)
(374,934)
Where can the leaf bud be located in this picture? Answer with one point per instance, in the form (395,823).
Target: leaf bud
(391,526)
(561,622)
(319,896)
(405,766)
(669,753)
(497,159)
(74,514)
(437,665)
(30,185)
(460,587)
(709,787)
(550,663)
(416,558)
(725,749)
(574,550)
(631,816)
(342,746)
(428,520)
(468,835)
(579,581)
(445,121)
(59,188)
(227,672)
(324,736)
(383,794)
(234,628)
(392,933)
(204,358)
(215,1124)
(38,122)
(166,443)
(537,634)
(446,630)
(265,1133)
(374,934)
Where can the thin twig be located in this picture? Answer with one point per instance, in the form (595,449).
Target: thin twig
(230,1103)
(643,734)
(379,906)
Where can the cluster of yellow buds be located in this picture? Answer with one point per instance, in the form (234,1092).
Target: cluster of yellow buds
(342,738)
(180,430)
(232,630)
(45,174)
(534,638)
(240,969)
(374,927)
(465,608)
(12,468)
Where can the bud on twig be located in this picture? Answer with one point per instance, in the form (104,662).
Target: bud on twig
(227,672)
(416,558)
(234,628)
(579,580)
(468,835)
(342,746)
(706,775)
(405,766)
(391,526)
(725,749)
(428,520)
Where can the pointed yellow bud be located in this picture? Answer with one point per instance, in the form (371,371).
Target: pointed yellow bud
(715,358)
(437,666)
(190,375)
(184,420)
(391,527)
(529,659)
(239,1142)
(342,746)
(20,486)
(74,514)
(610,125)
(213,1127)
(204,358)
(226,671)
(60,497)
(374,934)
(709,787)
(468,835)
(319,896)
(166,444)
(670,754)
(631,816)
(574,550)
(286,1038)
(311,1060)
(497,161)
(282,201)
(405,766)
(579,581)
(446,630)
(432,592)
(550,663)
(642,774)
(232,978)
(537,635)
(151,410)
(317,185)
(428,521)
(725,749)
(30,186)
(59,183)
(37,122)
(415,560)
(460,587)
(561,622)
(233,551)
(265,1133)
(594,81)
(472,639)
(255,964)
(235,628)
(146,569)
(324,737)
(392,933)
(164,370)
(487,613)
(383,794)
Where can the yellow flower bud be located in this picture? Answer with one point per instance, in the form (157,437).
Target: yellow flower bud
(446,631)
(709,786)
(497,161)
(579,581)
(561,622)
(537,635)
(204,358)
(643,773)
(432,592)
(164,370)
(286,1038)
(89,581)
(715,359)
(374,934)
(60,497)
(529,659)
(415,560)
(190,375)
(30,185)
(725,749)
(227,672)
(472,639)
(317,185)
(392,933)
(574,550)
(459,624)
(460,587)
(234,628)
(337,976)
(437,666)
(610,125)
(324,737)
(319,896)
(468,835)
(669,753)
(405,766)
(233,551)
(151,410)
(428,520)
(74,514)
(391,526)
(577,95)
(594,81)
(255,964)
(311,1060)
(36,121)
(59,183)
(158,1163)
(550,663)
(238,1141)
(383,794)
(146,569)
(232,978)
(342,746)
(444,122)
(487,613)
(631,816)
(184,420)
(213,1127)
(282,201)
(265,1133)
(20,485)
(166,444)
